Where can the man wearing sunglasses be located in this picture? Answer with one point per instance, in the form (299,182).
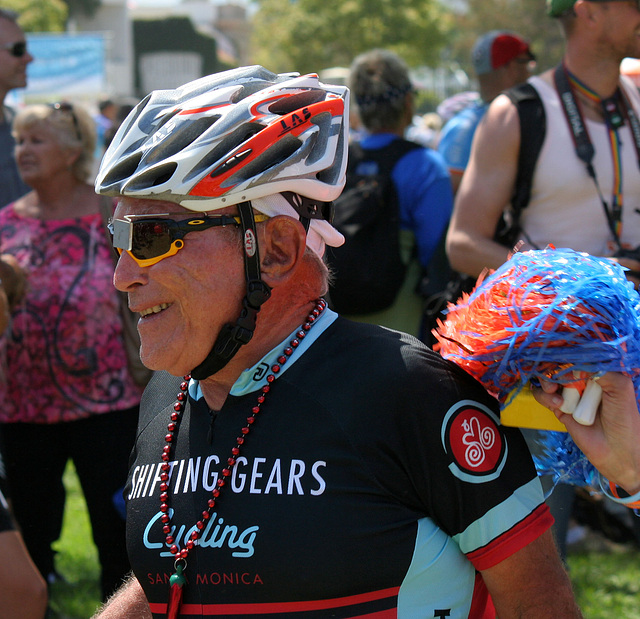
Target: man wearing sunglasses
(290,462)
(14,59)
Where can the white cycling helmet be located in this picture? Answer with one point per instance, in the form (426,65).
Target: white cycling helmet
(241,135)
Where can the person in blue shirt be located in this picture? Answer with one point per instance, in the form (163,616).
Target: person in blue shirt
(500,60)
(384,98)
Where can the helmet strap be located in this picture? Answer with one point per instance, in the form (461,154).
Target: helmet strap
(232,336)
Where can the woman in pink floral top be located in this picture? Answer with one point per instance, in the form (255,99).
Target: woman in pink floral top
(67,334)
(68,394)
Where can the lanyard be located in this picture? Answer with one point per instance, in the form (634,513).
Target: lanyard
(614,115)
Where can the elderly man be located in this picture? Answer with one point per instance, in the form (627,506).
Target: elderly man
(289,461)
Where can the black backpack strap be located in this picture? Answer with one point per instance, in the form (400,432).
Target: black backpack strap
(533,125)
(386,157)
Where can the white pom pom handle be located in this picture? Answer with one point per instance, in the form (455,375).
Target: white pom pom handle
(585,411)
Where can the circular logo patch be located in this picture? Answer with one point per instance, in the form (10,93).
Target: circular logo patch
(472,437)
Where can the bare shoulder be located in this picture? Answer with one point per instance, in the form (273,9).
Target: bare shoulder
(501,119)
(497,139)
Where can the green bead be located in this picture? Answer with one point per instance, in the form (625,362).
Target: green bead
(177,578)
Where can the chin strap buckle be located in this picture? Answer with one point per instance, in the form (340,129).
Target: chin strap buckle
(242,331)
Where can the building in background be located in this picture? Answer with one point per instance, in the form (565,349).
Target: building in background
(124,51)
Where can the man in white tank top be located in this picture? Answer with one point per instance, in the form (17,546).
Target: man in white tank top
(566,209)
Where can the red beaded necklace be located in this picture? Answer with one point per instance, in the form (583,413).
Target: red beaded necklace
(177,580)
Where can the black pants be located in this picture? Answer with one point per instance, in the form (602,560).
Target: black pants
(35,459)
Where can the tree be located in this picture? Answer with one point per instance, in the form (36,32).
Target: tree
(49,15)
(309,35)
(39,15)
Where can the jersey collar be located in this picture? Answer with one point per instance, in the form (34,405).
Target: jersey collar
(254,378)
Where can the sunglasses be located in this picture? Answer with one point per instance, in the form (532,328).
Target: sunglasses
(149,239)
(67,108)
(17,50)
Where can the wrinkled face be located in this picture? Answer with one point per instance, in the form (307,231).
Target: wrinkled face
(13,70)
(185,298)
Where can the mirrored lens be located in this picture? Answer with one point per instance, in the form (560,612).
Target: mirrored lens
(150,239)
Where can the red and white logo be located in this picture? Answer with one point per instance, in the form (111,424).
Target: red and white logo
(471,436)
(249,243)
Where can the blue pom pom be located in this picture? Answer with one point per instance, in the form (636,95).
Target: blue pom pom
(547,314)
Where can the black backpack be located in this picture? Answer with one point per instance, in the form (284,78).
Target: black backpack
(368,270)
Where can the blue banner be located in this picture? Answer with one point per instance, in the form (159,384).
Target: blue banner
(65,65)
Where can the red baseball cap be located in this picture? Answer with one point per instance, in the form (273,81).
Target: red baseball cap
(497,48)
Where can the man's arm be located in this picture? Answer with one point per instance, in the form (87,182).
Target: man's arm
(128,602)
(485,190)
(612,443)
(456,179)
(532,583)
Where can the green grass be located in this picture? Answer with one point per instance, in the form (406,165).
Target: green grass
(77,559)
(607,584)
(606,580)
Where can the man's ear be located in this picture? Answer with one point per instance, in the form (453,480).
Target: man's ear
(282,245)
(585,10)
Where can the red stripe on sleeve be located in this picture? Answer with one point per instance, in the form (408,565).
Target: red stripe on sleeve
(516,538)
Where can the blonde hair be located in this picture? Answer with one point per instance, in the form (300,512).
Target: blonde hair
(71,124)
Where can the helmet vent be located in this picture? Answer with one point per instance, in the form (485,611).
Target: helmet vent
(124,169)
(291,103)
(135,114)
(275,155)
(225,166)
(165,118)
(248,89)
(154,177)
(226,146)
(177,141)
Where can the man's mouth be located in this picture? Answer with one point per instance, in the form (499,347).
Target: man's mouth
(154,310)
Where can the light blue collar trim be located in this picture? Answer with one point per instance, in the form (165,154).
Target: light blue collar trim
(255,377)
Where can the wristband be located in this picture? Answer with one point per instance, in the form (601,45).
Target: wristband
(610,490)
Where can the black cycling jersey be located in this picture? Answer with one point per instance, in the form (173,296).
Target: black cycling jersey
(376,481)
